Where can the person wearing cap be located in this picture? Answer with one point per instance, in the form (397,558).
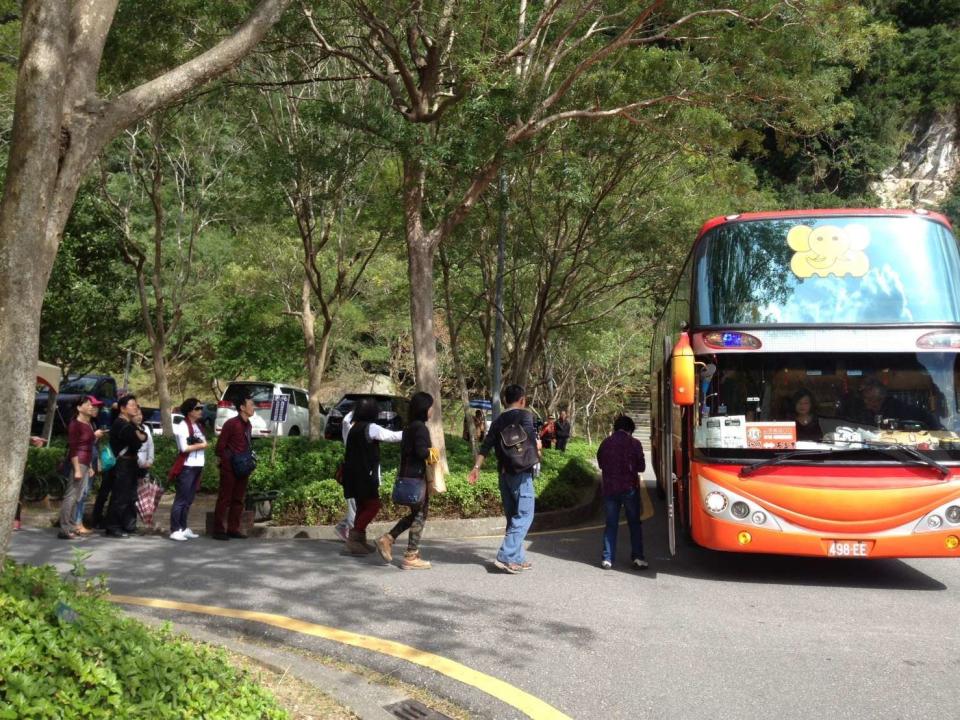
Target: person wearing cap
(81,444)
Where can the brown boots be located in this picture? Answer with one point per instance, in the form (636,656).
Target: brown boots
(357,543)
(385,547)
(412,561)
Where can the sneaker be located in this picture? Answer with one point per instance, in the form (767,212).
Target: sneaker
(189,534)
(606,564)
(509,568)
(640,564)
(178,536)
(342,532)
(526,565)
(414,562)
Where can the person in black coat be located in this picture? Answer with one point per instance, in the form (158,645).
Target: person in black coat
(563,431)
(414,451)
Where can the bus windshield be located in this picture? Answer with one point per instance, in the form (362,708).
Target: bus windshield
(752,405)
(827,270)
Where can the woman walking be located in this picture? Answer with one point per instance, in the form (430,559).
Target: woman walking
(81,443)
(361,471)
(412,479)
(191,443)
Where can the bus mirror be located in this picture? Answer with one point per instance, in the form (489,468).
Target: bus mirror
(683,372)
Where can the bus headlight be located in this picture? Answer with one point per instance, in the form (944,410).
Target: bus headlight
(953,514)
(740,509)
(716,502)
(759,517)
(934,522)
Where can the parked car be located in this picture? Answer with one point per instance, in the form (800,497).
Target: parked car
(394,413)
(151,418)
(298,413)
(102,387)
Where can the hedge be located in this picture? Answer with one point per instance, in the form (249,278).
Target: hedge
(302,473)
(67,653)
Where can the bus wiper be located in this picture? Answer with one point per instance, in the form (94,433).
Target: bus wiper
(748,470)
(918,457)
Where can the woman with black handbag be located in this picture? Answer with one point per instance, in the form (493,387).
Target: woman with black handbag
(410,489)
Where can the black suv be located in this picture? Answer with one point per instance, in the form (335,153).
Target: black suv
(394,413)
(102,387)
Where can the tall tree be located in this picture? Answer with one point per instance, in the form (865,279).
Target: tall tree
(61,123)
(447,66)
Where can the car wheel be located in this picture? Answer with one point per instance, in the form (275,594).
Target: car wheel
(294,431)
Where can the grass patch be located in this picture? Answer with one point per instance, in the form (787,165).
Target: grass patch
(65,652)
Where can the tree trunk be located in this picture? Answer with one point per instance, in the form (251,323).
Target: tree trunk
(157,351)
(316,357)
(420,255)
(27,245)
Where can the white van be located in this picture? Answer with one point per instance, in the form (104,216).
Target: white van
(298,413)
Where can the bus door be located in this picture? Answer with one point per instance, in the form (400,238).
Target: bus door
(666,445)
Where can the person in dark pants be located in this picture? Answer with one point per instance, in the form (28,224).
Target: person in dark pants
(126,437)
(620,457)
(361,470)
(516,487)
(191,443)
(235,438)
(414,451)
(563,431)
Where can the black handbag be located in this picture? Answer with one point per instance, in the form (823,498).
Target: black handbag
(409,491)
(244,463)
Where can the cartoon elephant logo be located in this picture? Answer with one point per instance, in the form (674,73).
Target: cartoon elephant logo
(829,249)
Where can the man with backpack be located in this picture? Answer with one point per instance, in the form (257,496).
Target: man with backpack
(514,438)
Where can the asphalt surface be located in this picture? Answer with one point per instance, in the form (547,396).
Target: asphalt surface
(706,635)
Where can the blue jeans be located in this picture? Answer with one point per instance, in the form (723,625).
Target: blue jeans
(187,483)
(630,501)
(516,491)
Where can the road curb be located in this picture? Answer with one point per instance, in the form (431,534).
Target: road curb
(364,698)
(447,529)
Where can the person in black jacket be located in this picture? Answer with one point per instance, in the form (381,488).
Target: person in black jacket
(414,451)
(361,470)
(563,431)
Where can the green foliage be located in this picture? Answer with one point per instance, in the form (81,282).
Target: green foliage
(43,462)
(66,652)
(303,474)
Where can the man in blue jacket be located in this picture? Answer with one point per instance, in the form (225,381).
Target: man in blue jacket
(516,482)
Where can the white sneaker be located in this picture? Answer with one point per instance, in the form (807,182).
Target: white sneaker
(606,564)
(640,564)
(178,536)
(189,534)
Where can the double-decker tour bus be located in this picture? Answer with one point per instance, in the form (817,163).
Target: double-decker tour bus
(805,386)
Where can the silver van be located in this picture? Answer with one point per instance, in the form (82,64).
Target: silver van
(262,393)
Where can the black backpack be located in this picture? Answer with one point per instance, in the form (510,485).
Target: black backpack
(518,451)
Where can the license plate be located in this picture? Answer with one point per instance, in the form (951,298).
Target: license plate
(41,417)
(848,548)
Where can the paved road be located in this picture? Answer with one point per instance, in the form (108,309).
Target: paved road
(705,636)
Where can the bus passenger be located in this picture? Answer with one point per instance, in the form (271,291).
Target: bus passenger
(808,425)
(875,407)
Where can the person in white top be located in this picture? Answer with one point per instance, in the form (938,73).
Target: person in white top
(191,443)
(343,528)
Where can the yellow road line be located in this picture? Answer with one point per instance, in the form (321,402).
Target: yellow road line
(524,702)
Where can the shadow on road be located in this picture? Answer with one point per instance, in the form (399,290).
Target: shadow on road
(700,563)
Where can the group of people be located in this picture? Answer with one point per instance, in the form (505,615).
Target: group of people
(512,437)
(131,447)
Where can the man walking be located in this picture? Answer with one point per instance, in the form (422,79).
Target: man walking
(235,439)
(514,438)
(126,437)
(620,457)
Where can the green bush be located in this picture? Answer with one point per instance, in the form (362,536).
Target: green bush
(43,462)
(303,474)
(67,653)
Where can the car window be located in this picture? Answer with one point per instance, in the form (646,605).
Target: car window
(78,386)
(300,398)
(108,389)
(260,392)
